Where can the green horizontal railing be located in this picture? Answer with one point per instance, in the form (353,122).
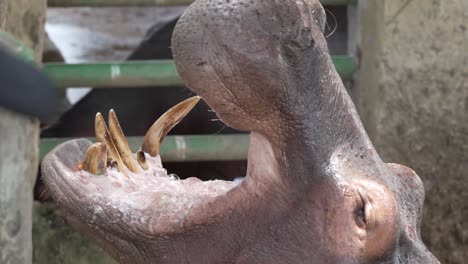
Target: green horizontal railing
(182,148)
(108,3)
(140,73)
(118,74)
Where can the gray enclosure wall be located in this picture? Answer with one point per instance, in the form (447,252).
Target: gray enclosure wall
(414,103)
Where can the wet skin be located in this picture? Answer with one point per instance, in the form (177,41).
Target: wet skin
(316,191)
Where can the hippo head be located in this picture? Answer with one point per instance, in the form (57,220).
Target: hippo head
(316,191)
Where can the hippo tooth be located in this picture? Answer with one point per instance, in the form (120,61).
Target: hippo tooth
(121,142)
(165,123)
(141,158)
(103,136)
(95,160)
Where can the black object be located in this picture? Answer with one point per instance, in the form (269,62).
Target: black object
(24,89)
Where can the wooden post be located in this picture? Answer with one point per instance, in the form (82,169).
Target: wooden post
(19,137)
(19,141)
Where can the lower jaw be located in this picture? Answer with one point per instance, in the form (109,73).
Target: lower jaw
(190,209)
(155,192)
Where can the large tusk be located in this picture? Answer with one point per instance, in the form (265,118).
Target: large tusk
(103,136)
(95,160)
(121,142)
(165,123)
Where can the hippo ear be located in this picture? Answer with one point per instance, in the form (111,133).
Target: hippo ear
(410,197)
(412,192)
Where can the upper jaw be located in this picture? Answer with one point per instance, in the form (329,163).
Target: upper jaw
(268,73)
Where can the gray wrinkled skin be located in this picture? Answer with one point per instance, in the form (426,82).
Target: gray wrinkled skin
(316,191)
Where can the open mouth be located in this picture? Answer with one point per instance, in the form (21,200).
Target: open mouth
(109,176)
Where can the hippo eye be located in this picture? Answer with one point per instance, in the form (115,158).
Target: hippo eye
(365,212)
(360,212)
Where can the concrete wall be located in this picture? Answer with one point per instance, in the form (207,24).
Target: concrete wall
(413,86)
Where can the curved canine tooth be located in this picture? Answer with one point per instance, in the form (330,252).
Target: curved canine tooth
(165,123)
(141,158)
(95,160)
(121,142)
(103,136)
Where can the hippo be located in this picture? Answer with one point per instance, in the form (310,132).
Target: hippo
(316,190)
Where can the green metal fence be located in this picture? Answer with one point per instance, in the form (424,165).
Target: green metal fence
(140,73)
(122,3)
(182,148)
